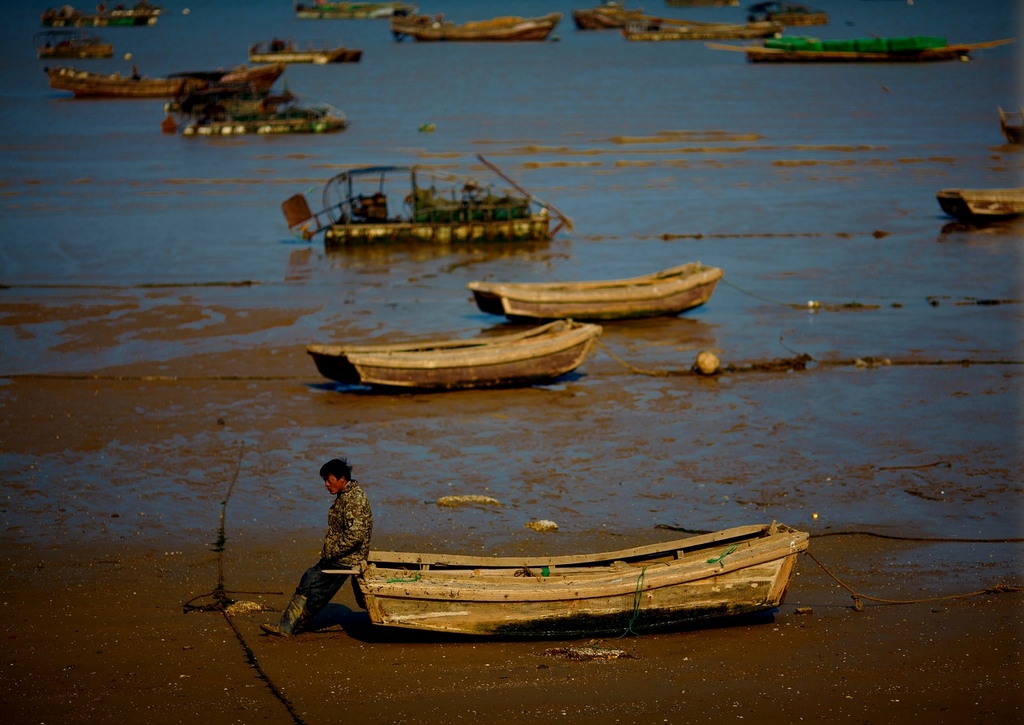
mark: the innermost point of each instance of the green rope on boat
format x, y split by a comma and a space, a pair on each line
637, 598
398, 580
718, 559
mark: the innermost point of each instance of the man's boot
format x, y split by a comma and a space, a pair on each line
291, 619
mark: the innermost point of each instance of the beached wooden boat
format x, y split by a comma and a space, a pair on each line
66, 16
649, 28
1012, 125
736, 571
981, 204
410, 204
537, 355
285, 51
84, 84
786, 13
610, 15
71, 44
509, 28
911, 49
668, 292
356, 10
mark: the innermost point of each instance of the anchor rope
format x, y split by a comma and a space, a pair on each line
637, 598
858, 597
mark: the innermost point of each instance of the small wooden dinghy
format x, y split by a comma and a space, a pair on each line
522, 358
668, 292
981, 204
741, 570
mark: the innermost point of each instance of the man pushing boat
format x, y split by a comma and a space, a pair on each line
346, 545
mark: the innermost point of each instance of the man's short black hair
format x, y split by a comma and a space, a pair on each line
339, 467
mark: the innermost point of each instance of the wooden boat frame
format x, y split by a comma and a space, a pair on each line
358, 208
737, 571
85, 84
428, 28
512, 359
142, 14
668, 292
760, 54
982, 204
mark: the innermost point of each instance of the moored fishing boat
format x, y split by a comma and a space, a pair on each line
737, 571
910, 49
537, 355
787, 13
84, 84
358, 10
506, 28
668, 292
286, 51
649, 28
71, 44
610, 15
981, 204
410, 204
66, 16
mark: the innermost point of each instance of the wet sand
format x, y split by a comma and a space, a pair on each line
97, 573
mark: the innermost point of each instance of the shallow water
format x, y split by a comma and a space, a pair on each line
121, 247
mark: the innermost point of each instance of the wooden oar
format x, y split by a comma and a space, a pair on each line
566, 221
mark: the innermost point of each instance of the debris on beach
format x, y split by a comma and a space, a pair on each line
543, 525
468, 500
245, 607
590, 651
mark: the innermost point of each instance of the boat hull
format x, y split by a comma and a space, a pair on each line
425, 28
661, 29
981, 204
534, 228
505, 361
316, 57
731, 574
355, 10
669, 293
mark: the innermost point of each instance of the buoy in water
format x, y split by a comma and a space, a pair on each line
168, 125
707, 363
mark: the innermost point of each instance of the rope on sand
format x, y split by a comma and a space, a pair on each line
858, 597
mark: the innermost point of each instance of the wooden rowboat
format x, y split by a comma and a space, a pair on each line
359, 10
981, 204
71, 44
649, 28
610, 15
1012, 125
668, 292
280, 51
523, 358
84, 84
860, 51
737, 571
507, 28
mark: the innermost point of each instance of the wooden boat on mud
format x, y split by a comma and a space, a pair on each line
359, 207
66, 16
509, 28
788, 14
668, 292
737, 571
911, 49
974, 205
285, 51
1012, 126
610, 15
71, 44
353, 10
84, 84
649, 28
537, 355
